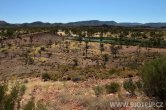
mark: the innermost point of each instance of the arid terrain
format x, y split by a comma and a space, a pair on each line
65, 74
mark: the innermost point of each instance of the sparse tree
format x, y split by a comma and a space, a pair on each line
114, 50
49, 43
105, 58
31, 39
86, 48
101, 48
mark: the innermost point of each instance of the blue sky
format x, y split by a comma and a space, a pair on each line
19, 11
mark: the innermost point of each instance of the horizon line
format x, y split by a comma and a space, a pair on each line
79, 21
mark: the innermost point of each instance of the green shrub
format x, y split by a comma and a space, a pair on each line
76, 79
139, 85
113, 71
46, 77
30, 61
41, 106
30, 105
98, 90
9, 100
98, 103
112, 88
129, 86
42, 49
55, 76
154, 78
3, 89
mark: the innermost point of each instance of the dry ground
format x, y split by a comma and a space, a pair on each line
54, 58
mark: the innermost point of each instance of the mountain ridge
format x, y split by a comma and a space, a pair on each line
85, 23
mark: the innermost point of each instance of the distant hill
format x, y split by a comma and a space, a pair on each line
130, 24
36, 24
91, 23
4, 23
83, 23
155, 24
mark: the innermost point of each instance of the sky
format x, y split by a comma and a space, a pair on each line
143, 11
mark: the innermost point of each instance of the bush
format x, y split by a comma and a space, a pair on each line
113, 71
30, 105
98, 90
10, 100
98, 103
153, 76
112, 88
139, 85
42, 49
3, 89
76, 79
55, 76
46, 77
30, 61
39, 105
129, 86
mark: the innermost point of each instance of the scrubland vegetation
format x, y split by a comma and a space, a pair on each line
81, 68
